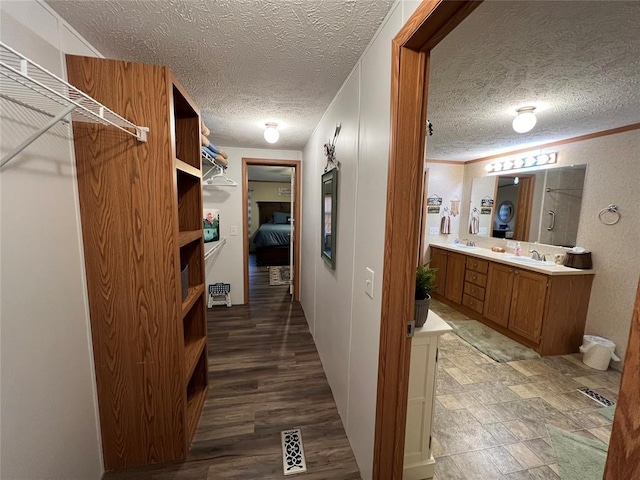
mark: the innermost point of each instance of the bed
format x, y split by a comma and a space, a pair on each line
272, 240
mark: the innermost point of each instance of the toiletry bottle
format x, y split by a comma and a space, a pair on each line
457, 240
518, 251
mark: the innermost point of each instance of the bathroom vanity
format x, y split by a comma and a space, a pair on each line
538, 304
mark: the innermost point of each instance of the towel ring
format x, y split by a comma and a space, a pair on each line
613, 208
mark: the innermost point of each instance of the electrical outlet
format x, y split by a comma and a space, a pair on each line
482, 231
433, 230
368, 289
234, 230
511, 244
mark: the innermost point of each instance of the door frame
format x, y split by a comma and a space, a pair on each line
296, 165
429, 24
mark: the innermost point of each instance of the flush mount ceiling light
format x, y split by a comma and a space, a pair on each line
525, 120
271, 133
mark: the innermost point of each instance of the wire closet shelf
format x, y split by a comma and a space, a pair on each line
219, 178
26, 83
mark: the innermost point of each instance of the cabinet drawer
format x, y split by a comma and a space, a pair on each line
476, 278
472, 303
474, 291
477, 265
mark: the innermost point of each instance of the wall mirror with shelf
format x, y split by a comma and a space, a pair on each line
537, 206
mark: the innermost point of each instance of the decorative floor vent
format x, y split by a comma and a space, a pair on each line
604, 401
292, 452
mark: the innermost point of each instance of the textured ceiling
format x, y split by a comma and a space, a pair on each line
262, 173
579, 61
245, 62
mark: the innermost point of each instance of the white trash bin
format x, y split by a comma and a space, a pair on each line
598, 352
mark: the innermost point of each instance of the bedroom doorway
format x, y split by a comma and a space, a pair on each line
271, 215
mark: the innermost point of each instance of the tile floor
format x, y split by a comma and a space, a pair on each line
490, 417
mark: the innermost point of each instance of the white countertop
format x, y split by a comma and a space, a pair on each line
487, 254
433, 326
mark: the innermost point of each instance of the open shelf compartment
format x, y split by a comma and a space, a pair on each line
196, 394
189, 202
187, 130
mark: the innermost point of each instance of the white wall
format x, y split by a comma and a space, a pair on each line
445, 180
613, 170
49, 424
226, 265
345, 321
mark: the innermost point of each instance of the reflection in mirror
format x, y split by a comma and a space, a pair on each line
541, 206
329, 205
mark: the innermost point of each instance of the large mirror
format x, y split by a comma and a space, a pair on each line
542, 206
329, 217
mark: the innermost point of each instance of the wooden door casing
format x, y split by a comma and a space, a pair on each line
497, 302
454, 281
527, 304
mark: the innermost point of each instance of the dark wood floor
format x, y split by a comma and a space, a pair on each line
265, 376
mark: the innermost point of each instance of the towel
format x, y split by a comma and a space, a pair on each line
445, 225
455, 207
221, 160
223, 153
212, 149
474, 225
205, 131
204, 141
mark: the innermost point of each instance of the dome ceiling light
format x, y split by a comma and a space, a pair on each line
525, 120
271, 133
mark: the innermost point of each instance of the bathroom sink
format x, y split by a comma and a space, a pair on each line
530, 261
463, 246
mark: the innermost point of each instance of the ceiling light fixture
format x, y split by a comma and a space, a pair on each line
525, 163
525, 120
271, 133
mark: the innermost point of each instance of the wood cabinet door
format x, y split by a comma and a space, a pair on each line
497, 299
454, 283
439, 261
527, 304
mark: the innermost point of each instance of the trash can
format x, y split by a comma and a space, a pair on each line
598, 352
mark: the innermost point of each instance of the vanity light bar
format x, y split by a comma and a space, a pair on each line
525, 162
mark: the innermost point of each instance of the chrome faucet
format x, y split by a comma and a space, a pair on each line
471, 243
536, 255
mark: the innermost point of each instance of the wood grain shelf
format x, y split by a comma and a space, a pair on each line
143, 426
194, 407
188, 169
193, 295
192, 351
189, 236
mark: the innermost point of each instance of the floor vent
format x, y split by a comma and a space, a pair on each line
604, 401
292, 452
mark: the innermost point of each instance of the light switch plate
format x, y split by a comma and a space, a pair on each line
234, 230
368, 289
482, 231
433, 230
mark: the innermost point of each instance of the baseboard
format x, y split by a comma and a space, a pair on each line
420, 470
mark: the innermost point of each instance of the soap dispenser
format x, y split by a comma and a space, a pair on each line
518, 251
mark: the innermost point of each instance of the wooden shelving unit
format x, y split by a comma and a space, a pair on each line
141, 209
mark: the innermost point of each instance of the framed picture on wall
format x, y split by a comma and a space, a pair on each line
211, 225
329, 216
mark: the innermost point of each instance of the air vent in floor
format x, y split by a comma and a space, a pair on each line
292, 452
596, 396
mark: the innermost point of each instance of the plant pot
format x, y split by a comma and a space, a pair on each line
422, 310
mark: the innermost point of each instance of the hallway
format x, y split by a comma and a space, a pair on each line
265, 376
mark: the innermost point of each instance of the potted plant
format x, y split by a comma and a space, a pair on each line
425, 280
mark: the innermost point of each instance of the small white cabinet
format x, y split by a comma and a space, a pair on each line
418, 459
